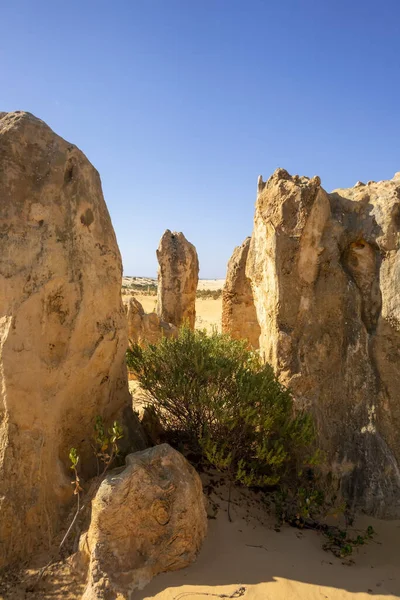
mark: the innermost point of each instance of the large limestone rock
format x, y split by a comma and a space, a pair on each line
239, 317
178, 276
325, 273
63, 331
147, 518
146, 327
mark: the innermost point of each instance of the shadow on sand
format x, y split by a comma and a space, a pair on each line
287, 565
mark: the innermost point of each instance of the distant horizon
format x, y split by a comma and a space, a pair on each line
155, 277
180, 106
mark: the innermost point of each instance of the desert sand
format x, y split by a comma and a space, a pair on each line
286, 565
208, 314
249, 557
208, 310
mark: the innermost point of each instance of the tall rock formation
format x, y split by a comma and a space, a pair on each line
325, 273
146, 327
178, 276
239, 317
63, 330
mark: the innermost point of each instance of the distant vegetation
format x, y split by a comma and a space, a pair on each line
150, 289
213, 294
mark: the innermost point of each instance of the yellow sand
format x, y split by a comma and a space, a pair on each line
289, 565
208, 311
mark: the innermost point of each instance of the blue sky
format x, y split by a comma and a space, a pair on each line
181, 104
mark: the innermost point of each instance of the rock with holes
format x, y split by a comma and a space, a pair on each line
239, 317
63, 330
325, 274
178, 276
147, 518
146, 328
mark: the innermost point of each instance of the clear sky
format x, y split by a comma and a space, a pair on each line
181, 104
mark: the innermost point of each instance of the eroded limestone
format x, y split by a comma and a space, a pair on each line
325, 274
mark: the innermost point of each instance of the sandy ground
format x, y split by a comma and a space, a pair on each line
287, 565
149, 303
208, 311
208, 314
250, 557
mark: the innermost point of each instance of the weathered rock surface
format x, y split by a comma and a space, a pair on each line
146, 327
325, 274
239, 316
63, 331
147, 518
178, 276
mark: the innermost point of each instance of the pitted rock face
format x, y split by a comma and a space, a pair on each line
148, 518
178, 276
325, 274
63, 331
239, 317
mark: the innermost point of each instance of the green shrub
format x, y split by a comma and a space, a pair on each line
217, 399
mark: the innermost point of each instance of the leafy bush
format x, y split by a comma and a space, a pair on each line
218, 400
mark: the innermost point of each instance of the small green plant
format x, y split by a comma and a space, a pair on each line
106, 449
74, 460
341, 543
307, 507
106, 443
300, 505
